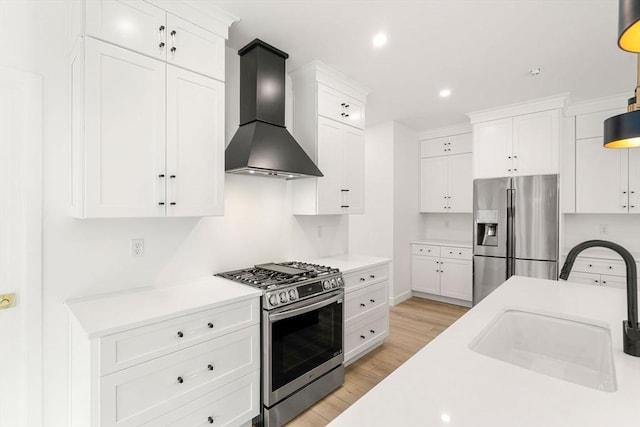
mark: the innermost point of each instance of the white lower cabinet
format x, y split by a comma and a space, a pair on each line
366, 310
184, 370
442, 271
600, 272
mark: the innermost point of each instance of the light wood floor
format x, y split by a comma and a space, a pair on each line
413, 323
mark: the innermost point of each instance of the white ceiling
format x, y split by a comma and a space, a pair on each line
480, 49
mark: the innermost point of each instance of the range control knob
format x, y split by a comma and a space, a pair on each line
283, 296
292, 294
333, 283
339, 280
273, 299
326, 284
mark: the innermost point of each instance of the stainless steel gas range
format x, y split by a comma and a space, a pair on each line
302, 335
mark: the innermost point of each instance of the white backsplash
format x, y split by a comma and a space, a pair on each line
619, 228
448, 226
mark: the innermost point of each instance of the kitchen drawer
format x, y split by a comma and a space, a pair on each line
429, 250
122, 350
365, 333
230, 405
366, 276
600, 266
363, 301
456, 252
584, 278
136, 395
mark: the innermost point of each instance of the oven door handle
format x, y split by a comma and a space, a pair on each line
307, 308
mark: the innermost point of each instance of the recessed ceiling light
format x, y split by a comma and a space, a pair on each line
444, 93
380, 40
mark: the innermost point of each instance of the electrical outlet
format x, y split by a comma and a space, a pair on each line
603, 228
137, 247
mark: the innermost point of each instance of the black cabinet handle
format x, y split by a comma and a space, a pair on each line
210, 367
344, 206
372, 301
172, 203
372, 276
180, 380
210, 420
362, 305
161, 175
372, 331
363, 337
180, 334
161, 45
210, 325
362, 279
173, 49
172, 176
160, 203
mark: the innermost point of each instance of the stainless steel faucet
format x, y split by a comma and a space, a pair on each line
630, 327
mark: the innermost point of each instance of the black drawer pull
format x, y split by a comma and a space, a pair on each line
180, 380
363, 337
372, 331
372, 300
362, 305
210, 325
362, 279
210, 420
180, 334
210, 367
372, 276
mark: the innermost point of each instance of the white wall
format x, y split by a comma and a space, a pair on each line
621, 229
448, 226
391, 218
406, 219
87, 257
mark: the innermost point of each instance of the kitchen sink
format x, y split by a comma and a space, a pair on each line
572, 350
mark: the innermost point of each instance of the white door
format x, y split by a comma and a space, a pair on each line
134, 24
124, 132
194, 48
353, 148
460, 179
195, 144
456, 279
601, 177
20, 248
433, 184
330, 158
535, 143
425, 275
634, 181
492, 148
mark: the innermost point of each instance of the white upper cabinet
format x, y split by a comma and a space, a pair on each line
150, 30
117, 169
194, 48
339, 106
446, 181
522, 139
135, 25
147, 135
328, 121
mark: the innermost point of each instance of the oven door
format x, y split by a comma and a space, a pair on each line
302, 342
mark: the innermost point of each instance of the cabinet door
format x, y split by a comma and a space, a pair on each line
458, 144
456, 279
460, 178
634, 181
195, 144
434, 147
433, 184
134, 24
354, 112
601, 178
194, 48
353, 173
492, 148
330, 156
585, 278
124, 132
425, 274
330, 103
535, 143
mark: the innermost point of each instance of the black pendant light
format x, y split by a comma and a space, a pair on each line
629, 25
623, 130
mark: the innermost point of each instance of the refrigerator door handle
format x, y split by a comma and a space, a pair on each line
511, 235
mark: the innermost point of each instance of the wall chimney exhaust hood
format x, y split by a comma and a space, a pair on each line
262, 145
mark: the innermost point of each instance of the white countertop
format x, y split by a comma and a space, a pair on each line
447, 384
350, 262
457, 244
107, 314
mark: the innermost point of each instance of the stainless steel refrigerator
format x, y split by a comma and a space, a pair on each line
515, 223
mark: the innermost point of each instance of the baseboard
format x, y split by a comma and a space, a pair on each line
443, 299
398, 299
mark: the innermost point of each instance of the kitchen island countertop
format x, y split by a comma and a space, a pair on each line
448, 384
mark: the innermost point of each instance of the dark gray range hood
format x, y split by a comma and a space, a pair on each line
262, 145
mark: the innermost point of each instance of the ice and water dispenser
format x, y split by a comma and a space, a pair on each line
487, 228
